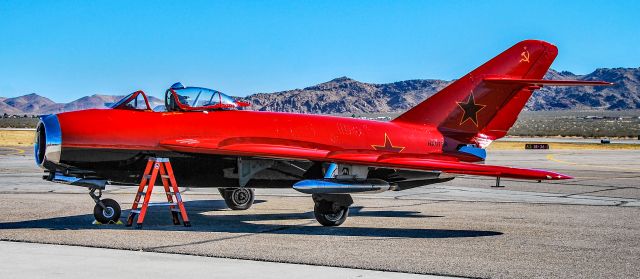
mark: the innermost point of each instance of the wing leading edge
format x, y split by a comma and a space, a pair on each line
297, 150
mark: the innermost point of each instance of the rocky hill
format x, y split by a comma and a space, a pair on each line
34, 104
624, 94
345, 95
29, 104
4, 108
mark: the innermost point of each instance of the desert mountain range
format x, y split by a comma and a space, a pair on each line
345, 95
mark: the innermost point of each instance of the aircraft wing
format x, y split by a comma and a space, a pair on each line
299, 150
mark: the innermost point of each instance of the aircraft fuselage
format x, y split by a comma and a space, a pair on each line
115, 143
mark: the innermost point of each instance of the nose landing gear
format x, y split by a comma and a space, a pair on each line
106, 211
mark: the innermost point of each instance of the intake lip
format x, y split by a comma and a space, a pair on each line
48, 145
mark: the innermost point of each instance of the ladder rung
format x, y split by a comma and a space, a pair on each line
142, 194
176, 209
148, 176
162, 204
147, 188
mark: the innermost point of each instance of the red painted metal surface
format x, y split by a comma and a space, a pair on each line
479, 107
144, 130
278, 135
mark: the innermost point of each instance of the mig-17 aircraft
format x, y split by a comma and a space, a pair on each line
212, 141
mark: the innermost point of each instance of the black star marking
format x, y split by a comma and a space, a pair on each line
471, 110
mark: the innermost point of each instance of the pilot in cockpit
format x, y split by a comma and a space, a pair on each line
181, 98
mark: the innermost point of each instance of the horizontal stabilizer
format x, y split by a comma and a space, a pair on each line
543, 82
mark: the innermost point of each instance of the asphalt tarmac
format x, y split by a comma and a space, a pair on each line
587, 227
62, 261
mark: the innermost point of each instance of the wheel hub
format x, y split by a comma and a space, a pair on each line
241, 196
334, 217
108, 212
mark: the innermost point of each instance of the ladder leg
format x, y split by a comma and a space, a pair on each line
147, 196
174, 185
143, 183
167, 190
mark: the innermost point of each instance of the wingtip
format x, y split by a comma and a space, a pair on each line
560, 176
601, 83
557, 176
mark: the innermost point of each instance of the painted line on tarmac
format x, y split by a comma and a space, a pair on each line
551, 157
16, 151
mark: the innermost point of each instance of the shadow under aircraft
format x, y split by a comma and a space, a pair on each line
213, 216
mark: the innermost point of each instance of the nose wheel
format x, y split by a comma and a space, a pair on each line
238, 198
109, 214
106, 211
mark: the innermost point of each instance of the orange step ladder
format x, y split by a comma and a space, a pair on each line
160, 166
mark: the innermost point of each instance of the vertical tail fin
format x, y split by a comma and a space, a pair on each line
470, 108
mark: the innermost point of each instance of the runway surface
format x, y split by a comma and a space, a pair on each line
587, 227
17, 261
568, 140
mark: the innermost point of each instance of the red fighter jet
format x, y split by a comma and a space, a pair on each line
212, 142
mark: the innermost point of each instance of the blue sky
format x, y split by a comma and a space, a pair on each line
68, 49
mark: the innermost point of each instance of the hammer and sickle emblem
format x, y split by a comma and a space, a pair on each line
524, 56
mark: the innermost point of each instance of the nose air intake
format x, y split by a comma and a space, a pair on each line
48, 145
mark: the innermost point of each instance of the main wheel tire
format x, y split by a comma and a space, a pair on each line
110, 214
223, 192
329, 218
238, 198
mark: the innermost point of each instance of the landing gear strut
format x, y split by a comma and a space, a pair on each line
106, 211
237, 198
331, 209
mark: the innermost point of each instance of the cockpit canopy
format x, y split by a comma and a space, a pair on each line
134, 101
181, 98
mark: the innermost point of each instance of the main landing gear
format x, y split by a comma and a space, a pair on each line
331, 209
106, 211
238, 198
